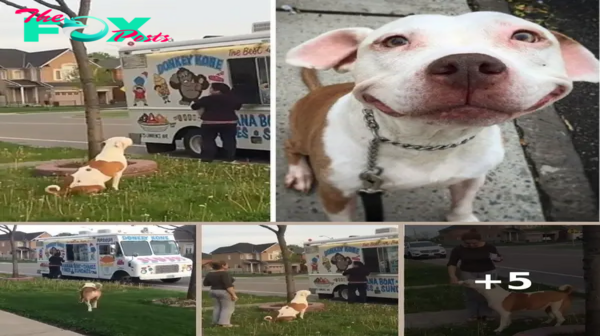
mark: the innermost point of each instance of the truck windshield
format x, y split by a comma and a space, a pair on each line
164, 247
141, 248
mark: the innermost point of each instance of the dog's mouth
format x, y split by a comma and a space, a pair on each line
381, 106
555, 94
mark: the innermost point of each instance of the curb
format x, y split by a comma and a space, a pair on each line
551, 155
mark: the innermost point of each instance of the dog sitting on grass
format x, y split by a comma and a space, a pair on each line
289, 312
90, 294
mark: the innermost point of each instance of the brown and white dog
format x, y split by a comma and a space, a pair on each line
430, 80
554, 303
90, 294
289, 312
108, 165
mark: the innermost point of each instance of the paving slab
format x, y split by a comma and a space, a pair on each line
508, 195
391, 7
15, 325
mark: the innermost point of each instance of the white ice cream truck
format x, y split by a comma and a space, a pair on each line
115, 256
162, 80
328, 259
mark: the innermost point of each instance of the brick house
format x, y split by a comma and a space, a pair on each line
42, 78
505, 233
114, 66
185, 239
206, 260
25, 243
253, 258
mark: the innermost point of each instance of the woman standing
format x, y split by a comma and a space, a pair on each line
357, 281
222, 293
218, 119
476, 259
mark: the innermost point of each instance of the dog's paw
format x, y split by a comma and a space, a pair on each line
299, 178
454, 217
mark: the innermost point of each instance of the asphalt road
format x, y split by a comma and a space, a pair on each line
266, 286
554, 265
30, 269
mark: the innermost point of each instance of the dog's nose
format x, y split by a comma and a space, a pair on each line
467, 70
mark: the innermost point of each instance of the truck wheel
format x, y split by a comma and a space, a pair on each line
325, 296
155, 148
122, 277
192, 141
342, 292
171, 280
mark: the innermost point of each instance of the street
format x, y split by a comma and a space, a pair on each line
266, 286
30, 269
555, 265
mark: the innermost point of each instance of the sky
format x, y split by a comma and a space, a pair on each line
215, 236
56, 229
181, 19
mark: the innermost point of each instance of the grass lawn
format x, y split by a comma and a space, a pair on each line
445, 296
487, 329
15, 153
338, 319
182, 190
418, 273
122, 310
244, 299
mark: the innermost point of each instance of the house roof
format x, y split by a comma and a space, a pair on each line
20, 236
15, 58
206, 256
184, 233
243, 248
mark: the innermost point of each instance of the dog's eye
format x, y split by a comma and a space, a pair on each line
395, 41
526, 36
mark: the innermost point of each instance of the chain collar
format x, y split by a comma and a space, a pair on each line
371, 176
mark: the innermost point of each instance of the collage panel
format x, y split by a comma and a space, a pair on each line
300, 279
90, 279
506, 280
395, 98
169, 125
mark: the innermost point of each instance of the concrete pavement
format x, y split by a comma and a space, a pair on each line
15, 325
509, 194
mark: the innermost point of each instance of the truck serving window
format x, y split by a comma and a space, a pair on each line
250, 79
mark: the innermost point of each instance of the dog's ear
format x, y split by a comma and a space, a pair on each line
580, 63
335, 49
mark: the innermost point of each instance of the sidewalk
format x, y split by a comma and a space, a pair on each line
436, 319
14, 325
509, 194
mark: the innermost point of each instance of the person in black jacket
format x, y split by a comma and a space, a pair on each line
357, 281
54, 263
218, 119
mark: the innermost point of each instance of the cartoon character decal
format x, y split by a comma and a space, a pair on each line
162, 88
341, 262
190, 86
139, 90
314, 265
327, 264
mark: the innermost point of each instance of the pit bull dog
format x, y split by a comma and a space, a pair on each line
108, 165
90, 294
289, 312
433, 89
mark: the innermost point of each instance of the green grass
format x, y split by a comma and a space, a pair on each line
122, 310
244, 299
487, 329
418, 273
15, 153
182, 190
338, 319
445, 296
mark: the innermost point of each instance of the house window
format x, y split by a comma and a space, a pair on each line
228, 257
20, 244
18, 74
57, 75
250, 79
189, 249
34, 76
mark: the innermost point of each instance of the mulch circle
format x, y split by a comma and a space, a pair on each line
549, 331
312, 306
135, 167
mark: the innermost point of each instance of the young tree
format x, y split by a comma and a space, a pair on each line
591, 276
190, 230
11, 235
290, 285
95, 133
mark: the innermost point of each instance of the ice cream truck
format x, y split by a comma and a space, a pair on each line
328, 259
162, 80
115, 256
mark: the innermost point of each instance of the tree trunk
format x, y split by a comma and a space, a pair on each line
591, 275
290, 285
191, 293
15, 262
93, 120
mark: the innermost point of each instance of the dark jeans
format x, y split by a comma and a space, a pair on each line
228, 135
55, 272
362, 292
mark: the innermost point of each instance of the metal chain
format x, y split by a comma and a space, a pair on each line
371, 176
